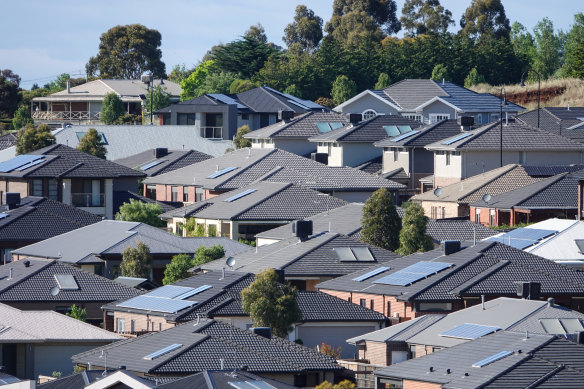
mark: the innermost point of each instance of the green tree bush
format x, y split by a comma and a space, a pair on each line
136, 262
137, 211
271, 304
30, 138
343, 89
380, 221
77, 313
21, 117
383, 81
207, 254
413, 237
92, 143
160, 99
239, 141
112, 108
440, 73
177, 269
473, 78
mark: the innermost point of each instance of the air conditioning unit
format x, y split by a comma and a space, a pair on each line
302, 228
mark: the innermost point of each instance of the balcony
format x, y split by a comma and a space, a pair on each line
212, 132
87, 200
65, 115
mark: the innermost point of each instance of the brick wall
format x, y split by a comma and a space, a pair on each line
411, 384
403, 310
377, 353
141, 322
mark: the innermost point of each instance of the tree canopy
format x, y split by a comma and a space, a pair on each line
21, 117
413, 237
271, 304
343, 89
30, 138
111, 109
136, 261
485, 17
380, 221
77, 313
305, 30
239, 141
160, 99
177, 269
244, 57
137, 211
127, 52
9, 96
424, 17
92, 143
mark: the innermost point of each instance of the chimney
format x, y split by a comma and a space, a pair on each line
466, 122
68, 86
12, 199
160, 152
26, 263
451, 246
302, 229
355, 118
285, 115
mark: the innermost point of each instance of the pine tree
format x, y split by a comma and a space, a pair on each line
136, 262
380, 221
413, 237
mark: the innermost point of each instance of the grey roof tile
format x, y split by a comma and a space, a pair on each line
174, 159
428, 134
300, 127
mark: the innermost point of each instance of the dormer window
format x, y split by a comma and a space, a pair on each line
369, 114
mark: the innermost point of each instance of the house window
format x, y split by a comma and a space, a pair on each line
186, 119
53, 189
329, 150
199, 193
395, 154
388, 308
151, 191
37, 187
492, 217
369, 114
480, 118
372, 305
477, 215
121, 325
522, 157
429, 307
349, 299
416, 117
185, 194
437, 212
413, 351
363, 303
174, 193
436, 117
245, 116
133, 326
447, 158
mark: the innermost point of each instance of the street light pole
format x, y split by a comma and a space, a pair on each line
151, 90
503, 98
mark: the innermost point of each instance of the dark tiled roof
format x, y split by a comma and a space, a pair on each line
313, 257
175, 159
411, 93
76, 381
273, 165
374, 166
7, 140
557, 192
463, 230
488, 268
269, 201
203, 345
303, 126
367, 131
124, 196
541, 361
557, 120
38, 218
65, 162
34, 283
221, 379
516, 136
428, 134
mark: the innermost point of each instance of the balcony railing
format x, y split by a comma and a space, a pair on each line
212, 132
87, 199
65, 115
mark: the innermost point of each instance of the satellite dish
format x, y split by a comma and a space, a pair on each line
437, 191
230, 262
55, 290
487, 198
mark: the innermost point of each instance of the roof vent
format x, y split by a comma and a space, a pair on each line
160, 152
285, 115
551, 302
451, 246
302, 229
355, 117
26, 263
431, 369
12, 199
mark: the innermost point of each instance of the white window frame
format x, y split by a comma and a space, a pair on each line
447, 155
414, 116
480, 118
522, 157
477, 215
120, 325
366, 115
436, 117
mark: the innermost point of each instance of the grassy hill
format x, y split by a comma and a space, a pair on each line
554, 93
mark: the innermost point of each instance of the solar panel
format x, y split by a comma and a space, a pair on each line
426, 268
492, 358
413, 273
158, 304
457, 138
335, 125
193, 292
33, 163
307, 103
404, 136
168, 291
399, 279
222, 172
519, 244
152, 164
101, 135
66, 282
372, 273
552, 326
323, 127
18, 161
469, 331
252, 384
363, 254
530, 233
404, 129
227, 100
572, 325
3, 215
163, 351
239, 195
391, 130
345, 254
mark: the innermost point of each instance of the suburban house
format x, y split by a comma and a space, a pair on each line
455, 277
83, 103
41, 284
209, 344
70, 176
504, 359
218, 116
292, 133
41, 342
477, 151
430, 333
564, 121
556, 196
244, 212
243, 167
353, 144
217, 295
305, 261
428, 101
406, 153
346, 220
103, 256
162, 160
33, 219
453, 200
